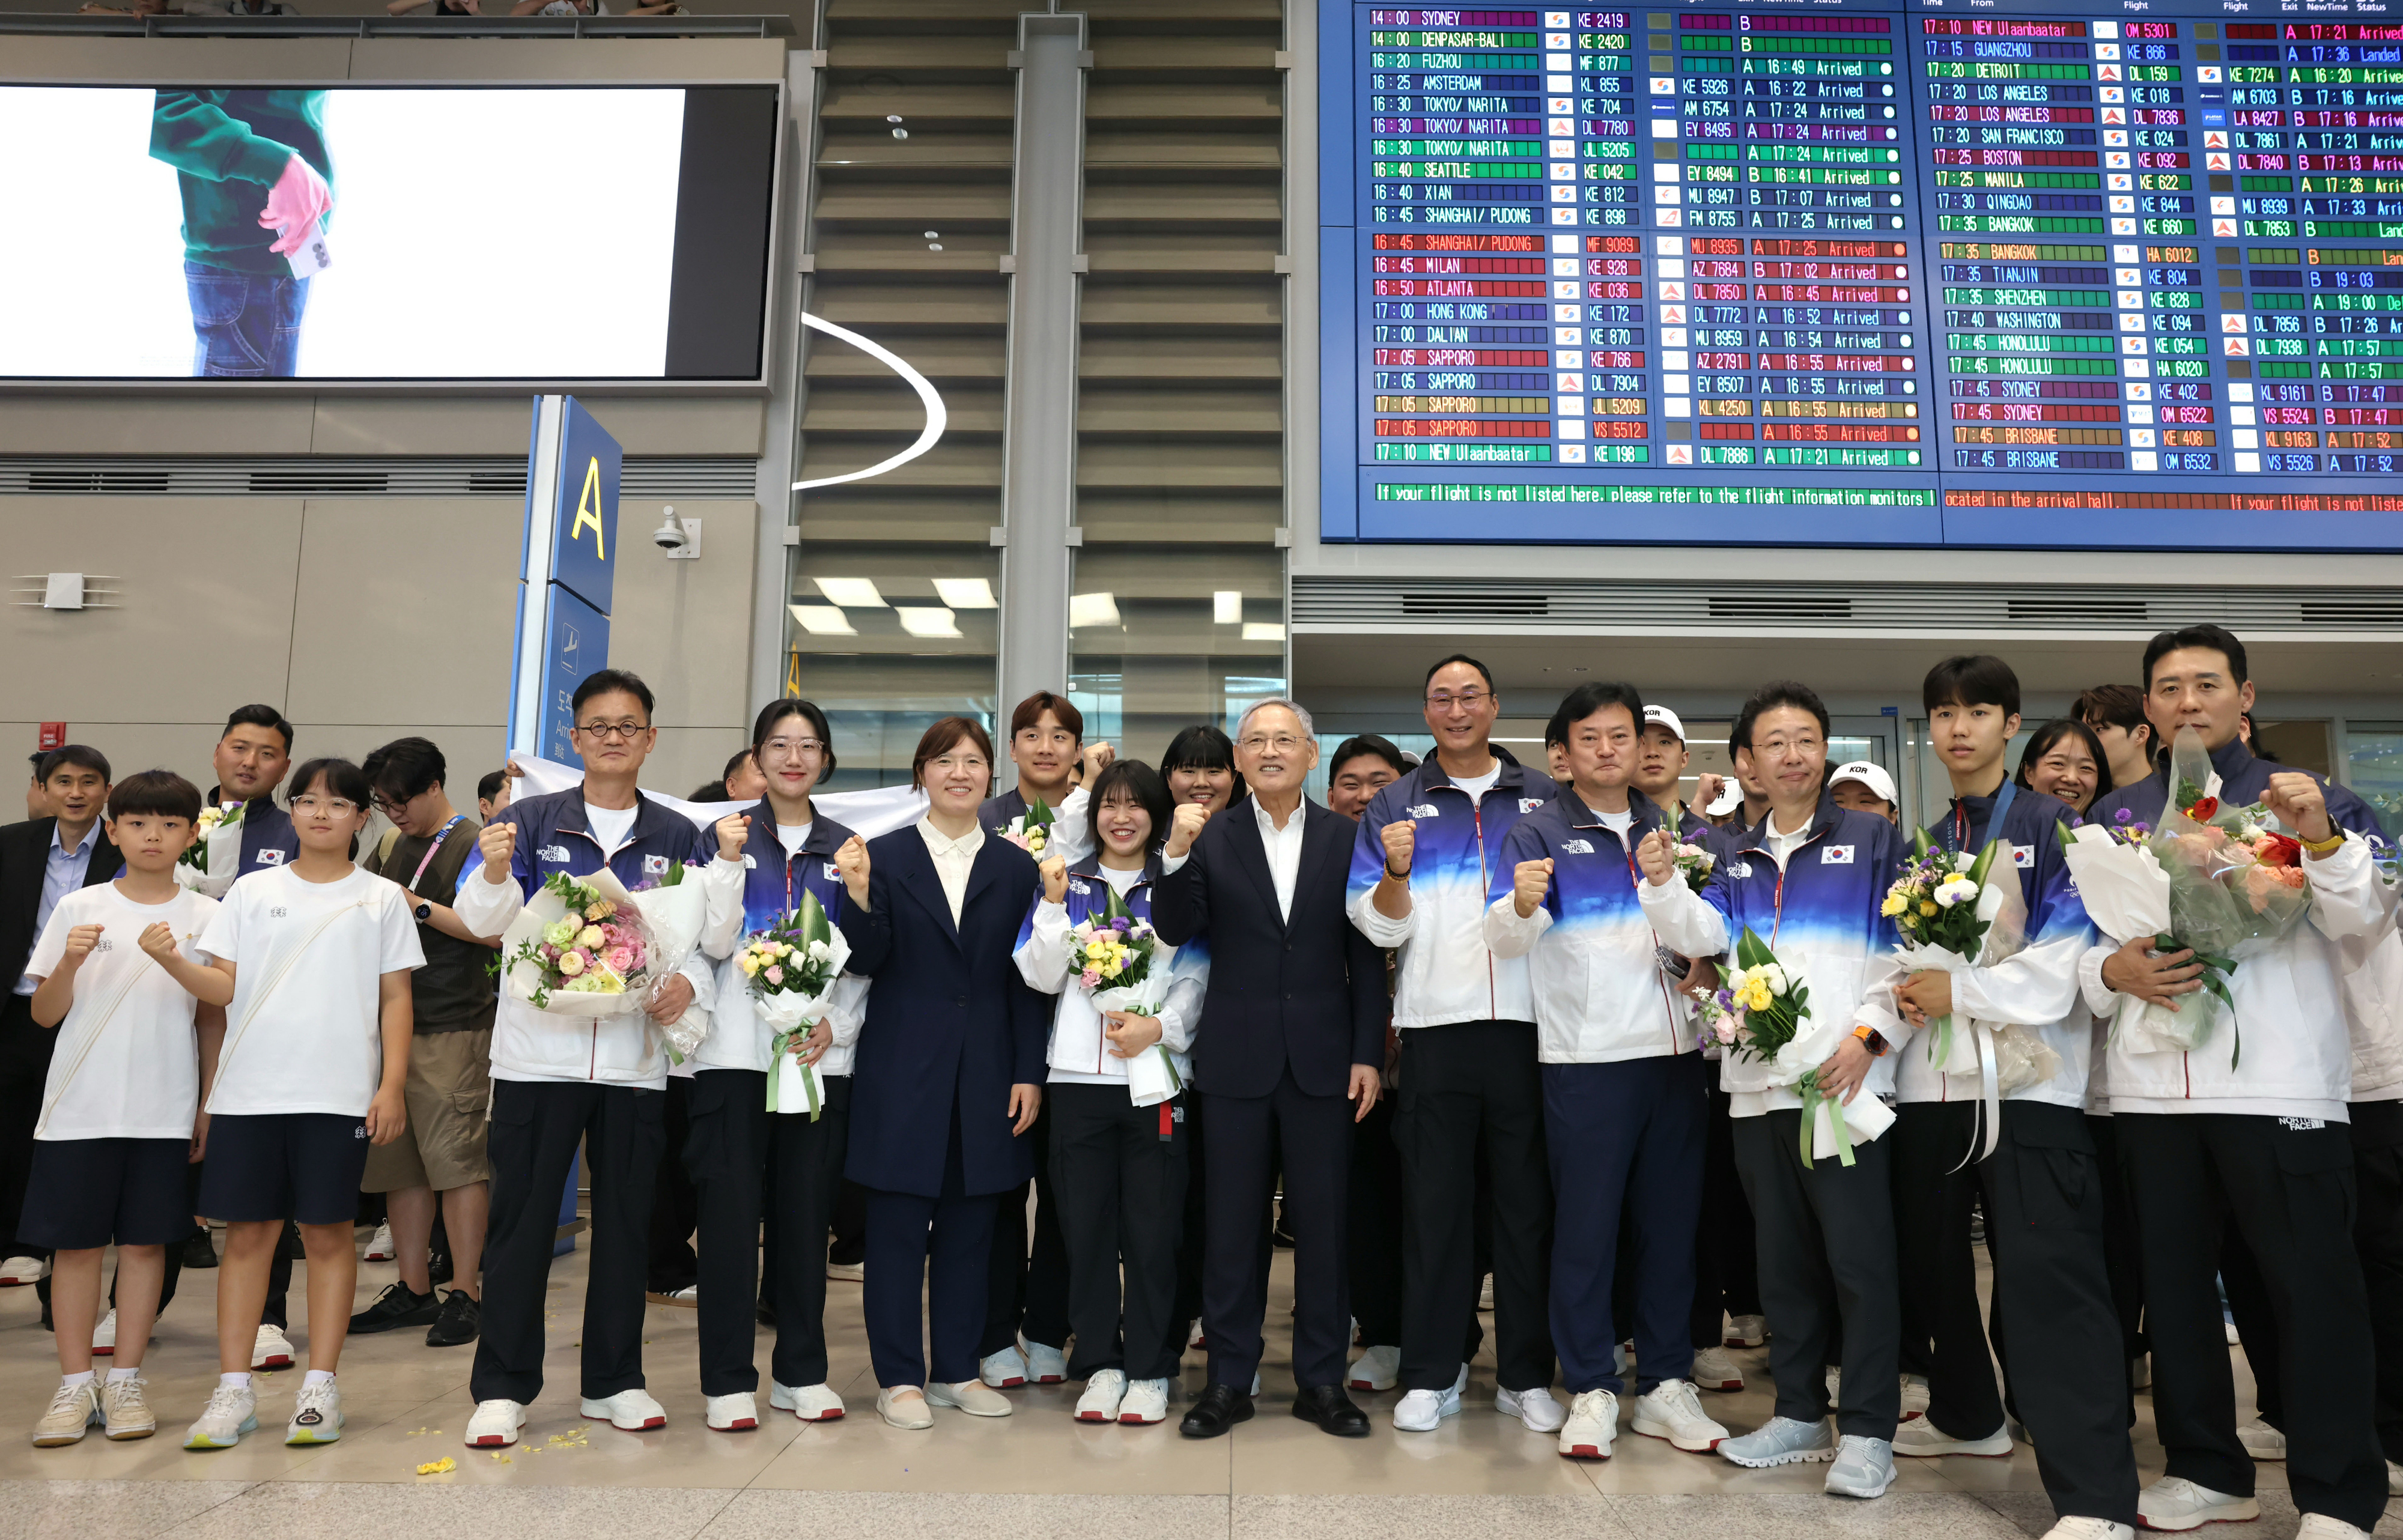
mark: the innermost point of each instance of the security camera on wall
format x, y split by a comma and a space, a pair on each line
678, 538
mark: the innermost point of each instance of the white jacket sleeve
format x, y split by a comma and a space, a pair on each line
2102, 1001
488, 907
2033, 986
722, 880
847, 1008
1509, 935
1880, 975
1043, 959
1381, 928
1180, 1017
2348, 899
1686, 922
1072, 830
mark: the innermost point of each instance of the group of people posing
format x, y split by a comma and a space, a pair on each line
1453, 1015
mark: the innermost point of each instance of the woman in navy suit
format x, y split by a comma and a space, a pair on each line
948, 1075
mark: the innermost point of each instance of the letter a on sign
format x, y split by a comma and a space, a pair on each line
588, 509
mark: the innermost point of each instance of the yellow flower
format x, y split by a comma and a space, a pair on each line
1927, 905
1895, 904
750, 964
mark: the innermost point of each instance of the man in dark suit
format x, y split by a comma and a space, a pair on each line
1289, 1055
41, 861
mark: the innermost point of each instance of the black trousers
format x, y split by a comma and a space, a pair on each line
535, 1128
849, 1246
1374, 1230
1121, 1193
24, 1071
1727, 1263
2044, 1192
675, 1204
1247, 1134
1030, 1288
1826, 1233
2377, 1131
804, 1183
1469, 1088
2288, 1185
936, 1249
2122, 1255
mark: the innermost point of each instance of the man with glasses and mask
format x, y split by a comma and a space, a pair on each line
1428, 847
565, 1080
440, 1156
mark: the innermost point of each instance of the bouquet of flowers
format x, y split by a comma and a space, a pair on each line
790, 969
1031, 830
579, 948
1111, 955
1762, 1011
1695, 864
1954, 913
214, 858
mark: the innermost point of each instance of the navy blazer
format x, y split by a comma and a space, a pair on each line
949, 1020
1309, 992
24, 860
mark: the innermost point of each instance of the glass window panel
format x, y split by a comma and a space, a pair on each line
1163, 636
2373, 754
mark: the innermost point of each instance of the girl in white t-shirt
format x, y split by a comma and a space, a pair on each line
311, 960
119, 1122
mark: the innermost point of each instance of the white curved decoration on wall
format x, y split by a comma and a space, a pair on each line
936, 416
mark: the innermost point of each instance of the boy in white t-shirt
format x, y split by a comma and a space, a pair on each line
118, 1123
312, 959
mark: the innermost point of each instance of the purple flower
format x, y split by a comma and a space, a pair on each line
2122, 815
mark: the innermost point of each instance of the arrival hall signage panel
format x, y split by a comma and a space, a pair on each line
2045, 272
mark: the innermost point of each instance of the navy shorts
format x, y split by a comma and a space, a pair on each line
85, 1193
302, 1166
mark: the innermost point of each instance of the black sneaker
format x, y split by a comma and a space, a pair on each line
396, 1307
457, 1324
200, 1251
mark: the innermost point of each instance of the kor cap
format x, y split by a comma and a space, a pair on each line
1870, 775
1661, 716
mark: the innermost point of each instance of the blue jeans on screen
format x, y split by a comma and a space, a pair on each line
244, 324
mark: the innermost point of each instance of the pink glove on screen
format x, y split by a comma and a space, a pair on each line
297, 202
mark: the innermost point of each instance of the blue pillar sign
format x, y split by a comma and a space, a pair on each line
568, 574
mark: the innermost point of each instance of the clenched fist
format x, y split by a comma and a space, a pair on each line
1657, 854
1401, 838
852, 862
498, 845
1097, 758
80, 940
2297, 800
1055, 880
732, 831
1185, 827
1528, 886
158, 940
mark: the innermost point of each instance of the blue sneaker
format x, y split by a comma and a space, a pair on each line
1782, 1441
1864, 1467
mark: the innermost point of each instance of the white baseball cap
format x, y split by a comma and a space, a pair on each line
1870, 775
1661, 716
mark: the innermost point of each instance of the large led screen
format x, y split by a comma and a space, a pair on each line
385, 233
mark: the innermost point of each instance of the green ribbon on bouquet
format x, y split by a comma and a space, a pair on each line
1812, 1100
784, 1043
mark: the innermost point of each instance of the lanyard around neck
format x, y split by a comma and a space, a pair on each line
439, 834
1960, 840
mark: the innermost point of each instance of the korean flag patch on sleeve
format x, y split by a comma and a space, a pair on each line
2023, 856
1836, 855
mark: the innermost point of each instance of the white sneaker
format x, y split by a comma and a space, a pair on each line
809, 1403
1781, 1441
1670, 1410
2261, 1441
1045, 1366
2079, 1527
1535, 1407
1747, 1331
1103, 1395
379, 1247
495, 1424
1378, 1368
73, 1408
232, 1411
1591, 1426
2175, 1503
1485, 1296
1914, 1396
18, 1271
904, 1406
270, 1349
1864, 1467
2321, 1526
1145, 1402
972, 1396
104, 1336
1423, 1410
125, 1409
1925, 1440
1715, 1370
1005, 1370
733, 1413
316, 1415
629, 1411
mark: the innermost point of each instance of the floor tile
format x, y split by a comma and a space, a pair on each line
762, 1515
1523, 1516
1902, 1515
412, 1511
121, 1510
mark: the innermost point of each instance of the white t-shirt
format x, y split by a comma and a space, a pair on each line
1477, 786
1782, 846
125, 1065
611, 825
1617, 822
304, 1033
792, 836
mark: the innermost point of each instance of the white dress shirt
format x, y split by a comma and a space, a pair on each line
953, 860
1284, 852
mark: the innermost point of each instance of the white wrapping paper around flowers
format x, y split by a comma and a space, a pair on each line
670, 920
2127, 895
2019, 1053
1153, 1076
1812, 1046
798, 1088
221, 847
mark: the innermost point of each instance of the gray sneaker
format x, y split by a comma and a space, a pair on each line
1864, 1467
1782, 1441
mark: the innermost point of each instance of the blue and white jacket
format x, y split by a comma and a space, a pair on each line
2037, 987
1819, 912
268, 838
1591, 960
554, 836
1443, 972
747, 896
1079, 1054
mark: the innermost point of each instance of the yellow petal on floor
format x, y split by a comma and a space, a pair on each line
439, 1467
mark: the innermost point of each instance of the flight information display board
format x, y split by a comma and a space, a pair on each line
1865, 272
